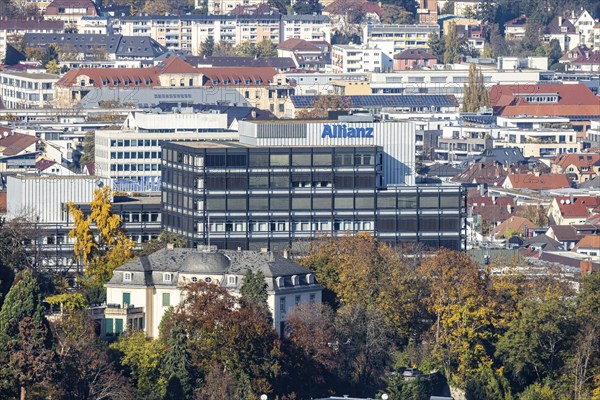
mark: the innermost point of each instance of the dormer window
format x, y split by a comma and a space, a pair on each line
208, 280
295, 280
232, 280
194, 279
167, 277
127, 276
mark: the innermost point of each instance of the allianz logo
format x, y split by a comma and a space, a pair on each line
342, 131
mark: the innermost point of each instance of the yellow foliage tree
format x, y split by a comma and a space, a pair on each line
465, 313
112, 247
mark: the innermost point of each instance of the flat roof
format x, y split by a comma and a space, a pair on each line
232, 145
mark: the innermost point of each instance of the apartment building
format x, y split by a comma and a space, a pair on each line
10, 29
395, 39
346, 58
458, 142
71, 11
305, 27
33, 88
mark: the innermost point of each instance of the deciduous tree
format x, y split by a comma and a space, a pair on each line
475, 94
323, 104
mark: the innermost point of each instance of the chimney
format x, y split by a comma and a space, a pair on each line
170, 246
253, 114
286, 254
571, 198
559, 21
264, 249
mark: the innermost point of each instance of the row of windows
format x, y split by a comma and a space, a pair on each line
134, 142
424, 223
140, 217
135, 167
118, 155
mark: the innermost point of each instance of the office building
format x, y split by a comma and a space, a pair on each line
287, 183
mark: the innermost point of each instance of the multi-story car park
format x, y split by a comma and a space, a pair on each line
286, 183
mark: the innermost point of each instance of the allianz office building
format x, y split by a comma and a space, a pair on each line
292, 181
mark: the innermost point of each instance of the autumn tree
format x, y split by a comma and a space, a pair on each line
164, 239
312, 355
323, 104
266, 48
464, 313
216, 322
452, 45
224, 49
112, 248
475, 95
395, 14
85, 369
89, 148
218, 385
245, 49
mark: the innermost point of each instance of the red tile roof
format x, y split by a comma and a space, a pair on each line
592, 241
578, 160
235, 76
577, 99
3, 202
589, 57
175, 65
44, 164
513, 223
16, 143
541, 182
113, 77
517, 22
297, 45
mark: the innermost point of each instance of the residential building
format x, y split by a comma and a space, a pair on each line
584, 25
281, 64
514, 225
474, 35
93, 25
386, 102
71, 11
570, 235
540, 142
17, 144
306, 55
458, 143
319, 83
593, 135
596, 33
394, 39
579, 167
447, 81
569, 210
347, 58
562, 30
10, 29
413, 59
428, 12
573, 101
589, 61
32, 88
537, 182
305, 27
462, 8
142, 290
222, 7
589, 245
515, 28
97, 47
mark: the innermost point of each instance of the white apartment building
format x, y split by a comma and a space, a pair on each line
319, 82
305, 27
446, 81
132, 155
358, 58
141, 290
584, 24
394, 39
33, 88
93, 25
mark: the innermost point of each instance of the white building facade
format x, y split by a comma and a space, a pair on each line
30, 89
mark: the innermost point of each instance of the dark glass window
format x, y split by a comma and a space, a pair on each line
365, 181
449, 223
301, 180
301, 159
322, 159
260, 160
429, 200
215, 182
342, 159
429, 223
344, 181
280, 160
449, 201
280, 203
386, 223
259, 203
236, 203
407, 223
237, 182
215, 160
236, 160
280, 181
386, 201
258, 181
322, 203
215, 203
300, 203
364, 202
407, 200
344, 202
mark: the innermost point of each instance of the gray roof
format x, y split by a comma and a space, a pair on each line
122, 46
508, 155
219, 262
590, 184
545, 242
145, 97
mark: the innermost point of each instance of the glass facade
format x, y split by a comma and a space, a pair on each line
235, 196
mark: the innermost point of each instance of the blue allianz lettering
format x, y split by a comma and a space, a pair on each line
342, 131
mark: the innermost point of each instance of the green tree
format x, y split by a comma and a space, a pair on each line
175, 365
254, 288
207, 47
452, 45
52, 67
224, 49
246, 49
89, 148
486, 383
307, 7
164, 239
538, 391
266, 48
532, 348
50, 54
23, 336
436, 45
395, 14
475, 94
